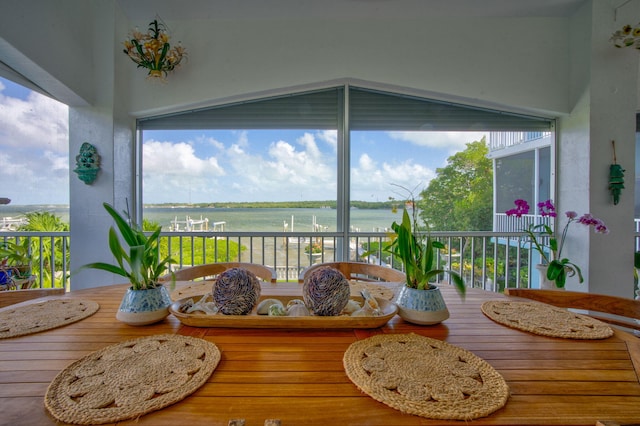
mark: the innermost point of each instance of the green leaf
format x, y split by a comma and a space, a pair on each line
142, 256
115, 247
125, 229
418, 255
107, 267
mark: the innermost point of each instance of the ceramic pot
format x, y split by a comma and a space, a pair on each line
143, 307
422, 307
545, 283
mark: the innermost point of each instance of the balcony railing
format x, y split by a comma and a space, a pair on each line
49, 256
488, 260
501, 140
504, 223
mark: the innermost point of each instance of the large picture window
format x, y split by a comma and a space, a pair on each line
333, 159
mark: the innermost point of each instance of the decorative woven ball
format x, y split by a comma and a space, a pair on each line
236, 291
326, 291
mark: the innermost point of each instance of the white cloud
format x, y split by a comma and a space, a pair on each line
372, 180
452, 141
211, 142
172, 172
34, 149
330, 137
286, 169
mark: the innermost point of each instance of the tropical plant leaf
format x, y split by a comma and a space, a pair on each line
108, 267
141, 263
418, 255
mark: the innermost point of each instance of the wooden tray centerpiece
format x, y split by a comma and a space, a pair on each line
253, 320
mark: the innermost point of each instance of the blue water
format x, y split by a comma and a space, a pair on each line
245, 219
275, 219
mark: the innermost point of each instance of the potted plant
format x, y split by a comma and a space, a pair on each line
554, 267
419, 301
314, 248
147, 300
15, 264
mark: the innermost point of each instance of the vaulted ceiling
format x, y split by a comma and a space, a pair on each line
366, 9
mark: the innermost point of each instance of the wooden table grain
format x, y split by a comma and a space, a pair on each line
297, 375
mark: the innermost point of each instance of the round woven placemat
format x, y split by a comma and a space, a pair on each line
36, 317
425, 377
132, 378
546, 320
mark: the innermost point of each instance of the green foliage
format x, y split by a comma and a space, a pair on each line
142, 264
418, 255
315, 248
15, 254
460, 197
201, 251
150, 225
45, 251
44, 222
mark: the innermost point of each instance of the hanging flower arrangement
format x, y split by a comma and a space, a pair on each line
151, 50
626, 37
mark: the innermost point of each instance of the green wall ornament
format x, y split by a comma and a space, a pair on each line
87, 163
616, 177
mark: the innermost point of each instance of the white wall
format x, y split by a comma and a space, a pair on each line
603, 98
521, 63
51, 43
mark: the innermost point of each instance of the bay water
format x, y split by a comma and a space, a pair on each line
244, 219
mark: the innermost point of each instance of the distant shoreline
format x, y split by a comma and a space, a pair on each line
329, 204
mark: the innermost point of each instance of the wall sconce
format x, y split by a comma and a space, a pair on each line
87, 163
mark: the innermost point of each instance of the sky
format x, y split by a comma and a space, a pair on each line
209, 166
289, 165
34, 147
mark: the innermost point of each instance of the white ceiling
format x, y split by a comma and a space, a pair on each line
137, 10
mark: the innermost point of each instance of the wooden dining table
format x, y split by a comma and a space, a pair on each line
297, 375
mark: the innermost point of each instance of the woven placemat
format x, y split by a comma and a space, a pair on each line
425, 377
546, 320
130, 379
36, 317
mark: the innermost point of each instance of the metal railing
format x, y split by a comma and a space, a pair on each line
504, 223
501, 140
488, 260
49, 256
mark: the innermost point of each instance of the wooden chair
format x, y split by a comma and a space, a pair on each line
358, 271
613, 423
617, 311
11, 297
212, 269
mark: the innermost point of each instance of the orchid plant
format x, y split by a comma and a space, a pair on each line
559, 267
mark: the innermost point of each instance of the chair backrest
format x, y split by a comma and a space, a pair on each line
11, 297
358, 271
621, 311
212, 269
